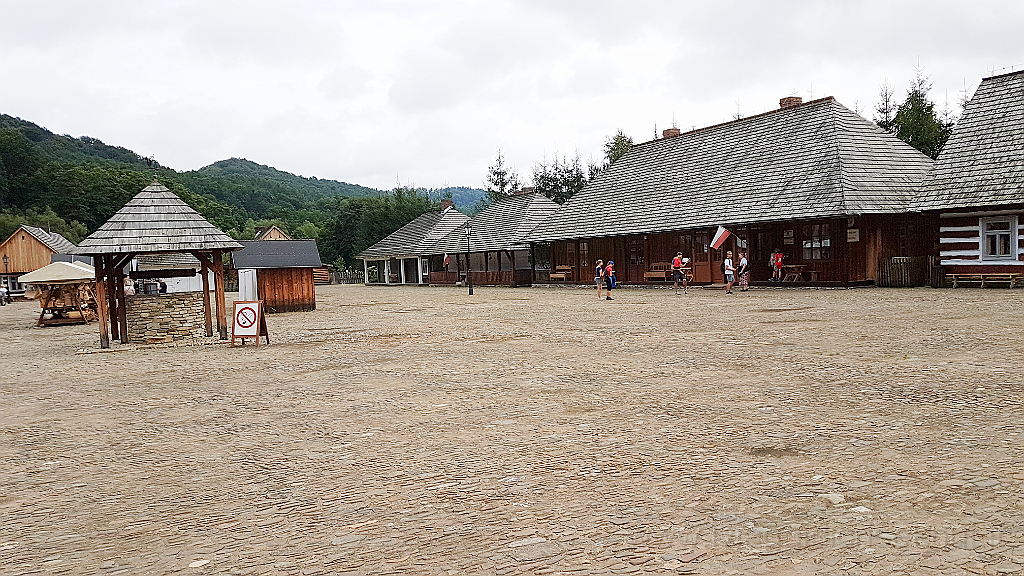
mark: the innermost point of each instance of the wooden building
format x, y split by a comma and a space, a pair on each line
492, 244
155, 221
278, 272
403, 256
975, 195
273, 232
815, 180
28, 249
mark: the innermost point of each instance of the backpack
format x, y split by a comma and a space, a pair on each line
723, 266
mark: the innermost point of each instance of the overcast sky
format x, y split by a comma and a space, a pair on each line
424, 93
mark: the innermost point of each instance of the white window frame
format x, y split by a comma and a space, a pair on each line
985, 256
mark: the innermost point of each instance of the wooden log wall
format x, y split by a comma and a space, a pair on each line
286, 289
24, 253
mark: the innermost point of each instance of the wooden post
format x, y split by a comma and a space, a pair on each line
205, 267
218, 280
101, 302
111, 290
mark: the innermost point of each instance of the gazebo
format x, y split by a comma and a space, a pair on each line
155, 221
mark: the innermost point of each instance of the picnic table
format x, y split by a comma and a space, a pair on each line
793, 272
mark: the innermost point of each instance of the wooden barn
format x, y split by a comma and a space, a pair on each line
492, 244
279, 272
156, 221
403, 256
975, 194
815, 180
28, 249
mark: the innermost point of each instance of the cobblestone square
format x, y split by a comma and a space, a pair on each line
411, 430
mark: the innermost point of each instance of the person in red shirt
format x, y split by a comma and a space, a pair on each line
777, 258
678, 273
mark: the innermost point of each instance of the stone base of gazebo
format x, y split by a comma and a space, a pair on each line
165, 317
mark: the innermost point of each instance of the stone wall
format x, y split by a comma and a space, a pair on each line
156, 318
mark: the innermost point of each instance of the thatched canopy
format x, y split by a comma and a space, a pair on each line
155, 220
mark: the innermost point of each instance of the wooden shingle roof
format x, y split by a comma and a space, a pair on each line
982, 163
52, 240
504, 225
814, 160
417, 238
155, 220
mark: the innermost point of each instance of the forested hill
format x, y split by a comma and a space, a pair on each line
72, 185
258, 188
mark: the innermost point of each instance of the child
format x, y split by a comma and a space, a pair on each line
776, 263
609, 279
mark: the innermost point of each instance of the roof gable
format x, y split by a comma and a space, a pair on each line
982, 163
156, 220
52, 240
814, 160
417, 237
504, 225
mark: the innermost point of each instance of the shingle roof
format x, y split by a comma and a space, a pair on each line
52, 240
155, 220
417, 237
815, 160
168, 261
503, 225
982, 163
277, 254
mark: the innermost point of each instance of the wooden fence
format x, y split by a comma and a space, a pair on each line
903, 271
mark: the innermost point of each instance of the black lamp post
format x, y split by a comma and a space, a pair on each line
469, 259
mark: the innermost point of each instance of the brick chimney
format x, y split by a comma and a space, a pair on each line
525, 191
670, 132
446, 204
790, 101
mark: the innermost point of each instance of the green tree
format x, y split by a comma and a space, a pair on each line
916, 121
559, 179
501, 180
885, 110
616, 146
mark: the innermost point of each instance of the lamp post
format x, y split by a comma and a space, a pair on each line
469, 258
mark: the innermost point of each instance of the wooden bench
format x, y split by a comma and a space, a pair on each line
561, 273
1011, 280
661, 271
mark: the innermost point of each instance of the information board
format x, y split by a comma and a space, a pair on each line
249, 322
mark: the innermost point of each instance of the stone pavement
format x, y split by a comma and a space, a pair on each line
528, 431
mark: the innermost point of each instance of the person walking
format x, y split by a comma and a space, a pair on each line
609, 279
776, 264
743, 272
3, 295
599, 276
730, 272
678, 273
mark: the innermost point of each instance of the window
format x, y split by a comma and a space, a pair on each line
817, 242
999, 238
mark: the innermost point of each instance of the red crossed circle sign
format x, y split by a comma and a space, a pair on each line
246, 317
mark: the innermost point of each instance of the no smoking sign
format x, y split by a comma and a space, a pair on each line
248, 321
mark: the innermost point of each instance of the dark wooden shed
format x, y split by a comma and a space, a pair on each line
282, 271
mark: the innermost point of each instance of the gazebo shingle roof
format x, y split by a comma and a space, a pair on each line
155, 220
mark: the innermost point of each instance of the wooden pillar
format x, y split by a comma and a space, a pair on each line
207, 310
218, 279
512, 264
401, 266
108, 274
366, 273
101, 301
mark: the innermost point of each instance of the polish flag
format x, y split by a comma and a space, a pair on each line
447, 259
720, 237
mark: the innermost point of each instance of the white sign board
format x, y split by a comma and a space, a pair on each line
248, 322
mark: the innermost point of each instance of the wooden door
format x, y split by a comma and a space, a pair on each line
635, 263
701, 257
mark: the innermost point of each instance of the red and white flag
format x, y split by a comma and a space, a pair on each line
447, 259
720, 237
